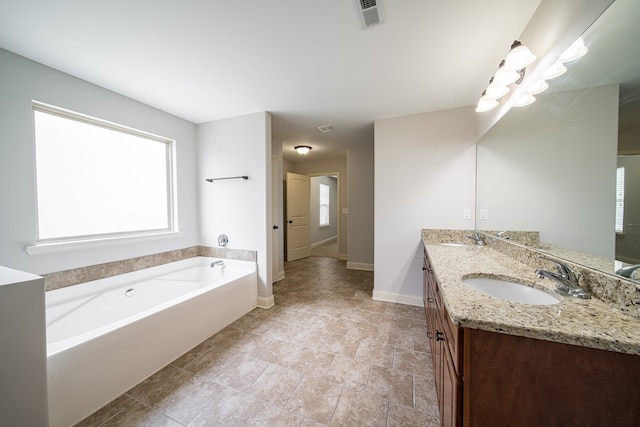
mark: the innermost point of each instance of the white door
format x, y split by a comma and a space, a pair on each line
298, 202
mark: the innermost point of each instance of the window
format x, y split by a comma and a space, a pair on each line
99, 180
324, 205
620, 200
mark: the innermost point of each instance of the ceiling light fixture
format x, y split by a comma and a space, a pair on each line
302, 149
510, 71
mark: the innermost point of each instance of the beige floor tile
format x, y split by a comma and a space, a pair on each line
400, 415
358, 409
209, 360
396, 337
176, 393
315, 398
421, 342
280, 353
309, 361
348, 373
391, 384
108, 411
426, 398
140, 415
229, 408
275, 385
238, 372
375, 352
414, 362
269, 416
281, 331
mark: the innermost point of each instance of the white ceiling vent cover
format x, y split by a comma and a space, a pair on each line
370, 13
326, 128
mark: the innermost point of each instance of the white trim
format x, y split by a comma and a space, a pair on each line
359, 266
279, 276
265, 302
397, 298
46, 248
322, 242
343, 257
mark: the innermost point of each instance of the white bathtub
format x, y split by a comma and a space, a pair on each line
105, 336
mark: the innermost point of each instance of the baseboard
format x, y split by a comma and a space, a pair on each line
343, 257
279, 276
397, 298
359, 266
265, 302
330, 239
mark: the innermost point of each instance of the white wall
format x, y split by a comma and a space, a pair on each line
360, 162
322, 234
339, 165
238, 208
550, 167
21, 82
424, 178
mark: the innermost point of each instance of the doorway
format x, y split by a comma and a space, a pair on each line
319, 215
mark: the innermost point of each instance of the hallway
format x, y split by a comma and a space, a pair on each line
326, 354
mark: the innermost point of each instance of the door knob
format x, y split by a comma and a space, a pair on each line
275, 227
290, 222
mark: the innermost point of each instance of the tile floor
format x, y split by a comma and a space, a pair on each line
326, 354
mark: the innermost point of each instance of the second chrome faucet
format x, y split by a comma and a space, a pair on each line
566, 280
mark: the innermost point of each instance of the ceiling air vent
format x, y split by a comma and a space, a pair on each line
326, 128
370, 13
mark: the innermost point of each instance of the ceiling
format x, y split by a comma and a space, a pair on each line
307, 62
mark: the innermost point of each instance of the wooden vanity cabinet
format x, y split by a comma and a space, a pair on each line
487, 378
444, 339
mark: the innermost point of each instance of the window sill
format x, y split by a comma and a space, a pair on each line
46, 248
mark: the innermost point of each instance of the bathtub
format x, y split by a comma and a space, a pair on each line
105, 336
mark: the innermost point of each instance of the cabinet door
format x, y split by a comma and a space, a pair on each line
451, 404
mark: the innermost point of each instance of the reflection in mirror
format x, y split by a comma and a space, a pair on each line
551, 167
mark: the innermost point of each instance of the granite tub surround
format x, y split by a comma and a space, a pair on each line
75, 276
588, 323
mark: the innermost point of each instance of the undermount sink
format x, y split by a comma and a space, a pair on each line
457, 245
510, 291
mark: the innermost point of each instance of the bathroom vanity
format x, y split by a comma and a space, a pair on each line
496, 362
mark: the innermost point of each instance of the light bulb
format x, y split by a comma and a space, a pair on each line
575, 51
556, 70
538, 87
505, 76
496, 91
519, 57
485, 104
524, 100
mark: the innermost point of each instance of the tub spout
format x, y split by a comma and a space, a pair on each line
217, 263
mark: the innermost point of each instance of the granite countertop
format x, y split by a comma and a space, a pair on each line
589, 323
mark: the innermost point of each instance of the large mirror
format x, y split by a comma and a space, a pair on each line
553, 166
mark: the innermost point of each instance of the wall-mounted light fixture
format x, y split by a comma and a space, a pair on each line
573, 52
302, 149
510, 71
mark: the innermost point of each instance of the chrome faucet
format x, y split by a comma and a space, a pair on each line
566, 280
476, 237
216, 263
627, 271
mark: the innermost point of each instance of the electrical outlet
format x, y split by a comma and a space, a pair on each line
484, 213
466, 214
